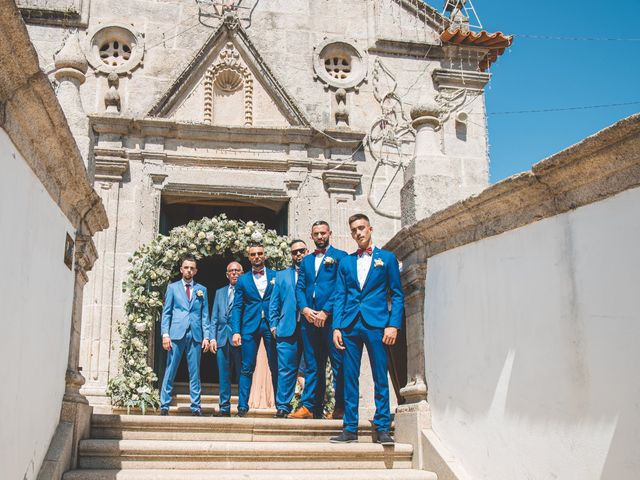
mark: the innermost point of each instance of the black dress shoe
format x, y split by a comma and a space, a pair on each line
345, 437
281, 414
384, 438
221, 414
241, 413
164, 412
196, 413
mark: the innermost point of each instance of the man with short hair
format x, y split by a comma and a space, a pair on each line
362, 316
284, 322
227, 356
314, 294
249, 322
185, 328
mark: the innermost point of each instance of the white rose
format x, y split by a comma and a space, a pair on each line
249, 224
192, 246
210, 236
256, 236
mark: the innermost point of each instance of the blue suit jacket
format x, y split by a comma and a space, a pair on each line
221, 317
179, 313
248, 307
371, 301
283, 314
322, 284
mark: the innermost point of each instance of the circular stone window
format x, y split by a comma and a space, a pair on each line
339, 64
115, 48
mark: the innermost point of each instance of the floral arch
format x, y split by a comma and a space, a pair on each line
152, 267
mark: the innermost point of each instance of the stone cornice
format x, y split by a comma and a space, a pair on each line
36, 124
166, 128
598, 167
447, 78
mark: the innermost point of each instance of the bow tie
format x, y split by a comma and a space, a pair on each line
297, 269
258, 273
319, 251
362, 251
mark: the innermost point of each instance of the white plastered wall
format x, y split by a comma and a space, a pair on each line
532, 342
36, 294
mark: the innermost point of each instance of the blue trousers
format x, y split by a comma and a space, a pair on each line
289, 351
228, 358
318, 345
354, 336
250, 344
178, 347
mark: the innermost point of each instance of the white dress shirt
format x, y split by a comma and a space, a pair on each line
261, 282
364, 264
318, 261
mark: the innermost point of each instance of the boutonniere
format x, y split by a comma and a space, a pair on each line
378, 263
200, 293
273, 281
329, 260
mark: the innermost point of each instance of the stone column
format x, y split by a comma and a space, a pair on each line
428, 178
71, 67
75, 407
97, 326
342, 186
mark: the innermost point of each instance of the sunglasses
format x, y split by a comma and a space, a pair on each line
256, 254
298, 251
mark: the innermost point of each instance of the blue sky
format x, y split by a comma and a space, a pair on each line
546, 74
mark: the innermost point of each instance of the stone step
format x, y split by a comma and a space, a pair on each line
149, 427
196, 455
396, 474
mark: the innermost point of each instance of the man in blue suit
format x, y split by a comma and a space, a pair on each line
314, 294
185, 328
284, 322
249, 322
362, 316
227, 356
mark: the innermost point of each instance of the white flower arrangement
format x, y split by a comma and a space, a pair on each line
273, 281
378, 263
151, 269
329, 260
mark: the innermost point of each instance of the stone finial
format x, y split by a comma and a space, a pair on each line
427, 111
112, 97
70, 61
231, 20
427, 107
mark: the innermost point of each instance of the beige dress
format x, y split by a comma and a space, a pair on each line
261, 387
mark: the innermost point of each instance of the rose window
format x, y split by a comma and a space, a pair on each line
115, 53
338, 67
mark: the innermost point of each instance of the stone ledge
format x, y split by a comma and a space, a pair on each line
598, 167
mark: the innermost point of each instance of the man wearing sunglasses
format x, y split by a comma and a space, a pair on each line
314, 294
227, 356
284, 322
249, 322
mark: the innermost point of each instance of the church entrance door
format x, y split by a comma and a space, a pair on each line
211, 274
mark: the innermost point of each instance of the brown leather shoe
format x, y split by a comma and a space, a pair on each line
302, 412
337, 414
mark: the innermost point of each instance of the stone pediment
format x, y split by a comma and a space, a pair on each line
228, 84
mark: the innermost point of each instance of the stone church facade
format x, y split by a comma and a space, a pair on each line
280, 111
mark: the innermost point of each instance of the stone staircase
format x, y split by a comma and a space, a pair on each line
150, 447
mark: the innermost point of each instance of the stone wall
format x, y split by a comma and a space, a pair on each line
49, 213
523, 316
